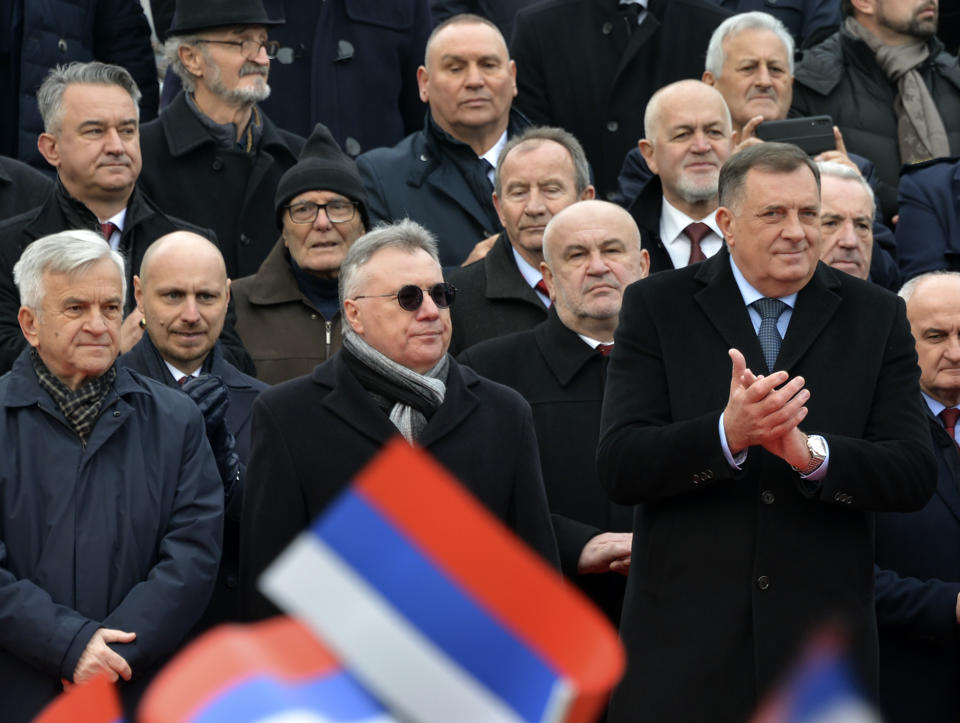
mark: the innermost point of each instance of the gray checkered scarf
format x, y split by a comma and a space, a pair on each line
82, 406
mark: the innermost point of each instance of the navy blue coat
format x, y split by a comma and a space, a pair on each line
242, 389
928, 233
801, 17
50, 32
415, 179
122, 532
917, 583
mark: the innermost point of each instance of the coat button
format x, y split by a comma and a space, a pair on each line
696, 478
244, 239
230, 580
352, 147
217, 164
708, 474
313, 316
116, 413
838, 497
612, 126
345, 51
62, 44
763, 582
768, 497
423, 157
607, 28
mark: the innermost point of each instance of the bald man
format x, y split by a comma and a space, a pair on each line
688, 136
591, 253
183, 291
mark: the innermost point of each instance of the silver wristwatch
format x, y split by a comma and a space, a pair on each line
817, 446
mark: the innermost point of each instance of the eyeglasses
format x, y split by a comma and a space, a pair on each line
337, 211
410, 297
249, 49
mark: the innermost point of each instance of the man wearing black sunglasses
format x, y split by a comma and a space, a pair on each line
393, 375
213, 157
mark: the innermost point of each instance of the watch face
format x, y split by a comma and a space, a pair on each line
817, 446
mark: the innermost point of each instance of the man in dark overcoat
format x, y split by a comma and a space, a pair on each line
182, 291
591, 254
111, 502
213, 157
755, 487
310, 436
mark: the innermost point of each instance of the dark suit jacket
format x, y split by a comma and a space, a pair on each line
313, 434
562, 379
918, 580
571, 73
731, 569
493, 299
21, 187
144, 358
928, 234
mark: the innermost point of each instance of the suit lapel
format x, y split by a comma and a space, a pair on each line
504, 280
947, 490
351, 402
447, 180
563, 351
817, 303
459, 401
640, 35
722, 303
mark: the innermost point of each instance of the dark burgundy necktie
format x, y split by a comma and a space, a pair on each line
541, 286
949, 417
107, 227
695, 232
605, 349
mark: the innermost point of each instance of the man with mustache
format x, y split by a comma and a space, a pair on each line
92, 138
688, 137
539, 173
888, 84
846, 219
213, 157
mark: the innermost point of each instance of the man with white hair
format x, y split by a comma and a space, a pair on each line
110, 537
212, 157
846, 219
310, 436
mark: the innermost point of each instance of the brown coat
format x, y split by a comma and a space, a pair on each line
285, 334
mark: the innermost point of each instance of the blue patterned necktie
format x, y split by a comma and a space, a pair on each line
769, 335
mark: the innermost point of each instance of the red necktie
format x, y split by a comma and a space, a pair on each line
541, 286
949, 417
695, 232
605, 349
108, 228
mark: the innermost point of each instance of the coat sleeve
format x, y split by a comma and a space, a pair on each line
643, 454
12, 341
122, 37
377, 205
274, 509
916, 607
532, 98
46, 635
921, 235
162, 608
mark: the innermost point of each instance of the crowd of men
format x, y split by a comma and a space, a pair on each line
669, 355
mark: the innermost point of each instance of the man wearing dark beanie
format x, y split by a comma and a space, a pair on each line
288, 313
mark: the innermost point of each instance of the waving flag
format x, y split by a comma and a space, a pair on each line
438, 608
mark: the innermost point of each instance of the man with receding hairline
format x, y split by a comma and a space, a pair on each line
442, 177
182, 292
591, 254
759, 407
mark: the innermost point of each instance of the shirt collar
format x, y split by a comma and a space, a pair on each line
750, 294
493, 154
935, 406
673, 221
177, 374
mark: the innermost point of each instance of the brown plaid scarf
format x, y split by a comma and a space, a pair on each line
80, 407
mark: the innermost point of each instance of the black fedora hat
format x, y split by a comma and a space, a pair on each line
193, 15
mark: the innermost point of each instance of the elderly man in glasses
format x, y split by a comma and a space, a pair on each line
212, 157
310, 436
288, 313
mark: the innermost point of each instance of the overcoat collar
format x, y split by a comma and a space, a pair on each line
564, 352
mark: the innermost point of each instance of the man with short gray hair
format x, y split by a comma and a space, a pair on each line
213, 157
847, 209
112, 553
392, 376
